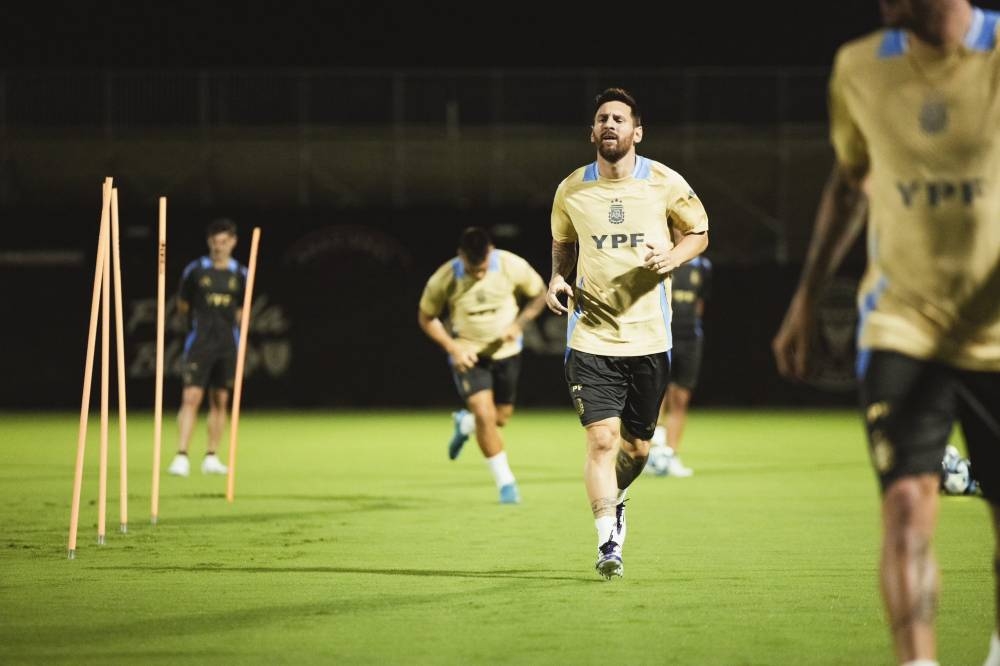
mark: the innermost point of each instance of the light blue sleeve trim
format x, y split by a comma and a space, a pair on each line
665, 307
894, 44
868, 305
982, 34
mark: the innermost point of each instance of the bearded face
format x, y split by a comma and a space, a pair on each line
614, 131
613, 146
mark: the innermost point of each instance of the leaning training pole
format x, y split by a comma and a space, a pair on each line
161, 289
102, 488
120, 343
240, 360
88, 370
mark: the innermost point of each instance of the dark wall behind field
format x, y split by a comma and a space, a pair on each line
334, 317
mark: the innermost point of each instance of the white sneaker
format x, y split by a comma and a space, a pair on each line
677, 468
212, 465
179, 466
659, 436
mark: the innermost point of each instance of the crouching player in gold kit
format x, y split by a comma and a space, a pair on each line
481, 289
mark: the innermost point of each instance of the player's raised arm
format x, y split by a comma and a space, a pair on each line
839, 218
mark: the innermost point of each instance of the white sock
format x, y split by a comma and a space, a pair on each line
605, 529
659, 436
920, 662
501, 470
993, 659
467, 425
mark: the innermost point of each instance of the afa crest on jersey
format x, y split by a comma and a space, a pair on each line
616, 213
933, 116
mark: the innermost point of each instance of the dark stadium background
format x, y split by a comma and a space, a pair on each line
361, 137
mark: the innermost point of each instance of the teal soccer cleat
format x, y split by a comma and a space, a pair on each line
509, 494
459, 438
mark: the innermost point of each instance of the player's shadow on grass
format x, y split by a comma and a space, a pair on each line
522, 574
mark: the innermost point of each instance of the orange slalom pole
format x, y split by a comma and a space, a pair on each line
88, 370
161, 288
120, 343
240, 361
102, 488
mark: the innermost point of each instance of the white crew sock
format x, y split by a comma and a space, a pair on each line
659, 436
993, 659
920, 662
501, 470
467, 425
605, 529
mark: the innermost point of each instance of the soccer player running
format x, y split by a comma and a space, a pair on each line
211, 297
617, 214
482, 289
691, 287
914, 121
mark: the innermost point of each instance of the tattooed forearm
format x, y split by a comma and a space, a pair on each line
603, 506
563, 258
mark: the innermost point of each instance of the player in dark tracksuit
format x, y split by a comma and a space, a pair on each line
692, 283
211, 295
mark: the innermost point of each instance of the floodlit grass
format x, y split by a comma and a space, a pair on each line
354, 540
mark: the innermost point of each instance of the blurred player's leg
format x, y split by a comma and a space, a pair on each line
218, 401
978, 398
191, 399
993, 659
491, 444
509, 492
909, 409
678, 398
909, 571
465, 425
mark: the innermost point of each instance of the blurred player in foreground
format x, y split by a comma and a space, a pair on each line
914, 121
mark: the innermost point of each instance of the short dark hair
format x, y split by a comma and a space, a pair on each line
475, 244
223, 225
618, 95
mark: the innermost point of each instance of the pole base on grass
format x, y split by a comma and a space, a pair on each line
100, 539
153, 520
72, 554
124, 528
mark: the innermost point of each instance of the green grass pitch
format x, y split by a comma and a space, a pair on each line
354, 540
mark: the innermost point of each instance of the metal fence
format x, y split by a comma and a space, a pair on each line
752, 141
123, 100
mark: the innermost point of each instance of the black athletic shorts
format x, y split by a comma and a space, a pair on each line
207, 367
685, 362
910, 406
628, 387
499, 375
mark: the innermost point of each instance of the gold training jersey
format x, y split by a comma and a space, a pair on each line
621, 308
927, 125
481, 310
